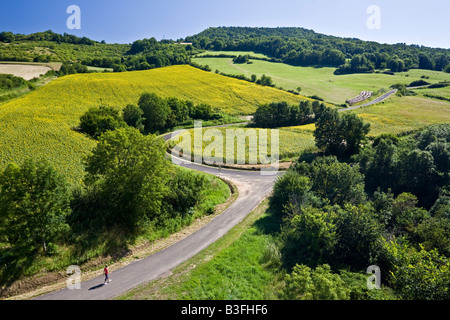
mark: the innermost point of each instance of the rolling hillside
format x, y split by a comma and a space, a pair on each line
40, 123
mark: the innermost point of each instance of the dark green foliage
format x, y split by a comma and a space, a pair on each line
419, 166
72, 68
34, 204
291, 188
303, 47
336, 182
98, 120
185, 191
127, 179
308, 237
358, 64
359, 238
339, 135
327, 218
161, 114
132, 115
418, 83
155, 111
265, 81
241, 59
280, 114
8, 81
201, 112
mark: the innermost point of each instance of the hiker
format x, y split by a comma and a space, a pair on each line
106, 275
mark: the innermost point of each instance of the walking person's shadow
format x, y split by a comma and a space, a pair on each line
97, 286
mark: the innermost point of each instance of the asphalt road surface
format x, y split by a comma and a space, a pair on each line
253, 187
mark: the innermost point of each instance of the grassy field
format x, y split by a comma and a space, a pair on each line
39, 123
404, 114
319, 81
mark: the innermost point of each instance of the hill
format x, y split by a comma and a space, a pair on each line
321, 81
299, 46
40, 123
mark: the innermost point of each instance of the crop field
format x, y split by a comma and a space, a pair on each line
227, 145
320, 81
40, 123
26, 71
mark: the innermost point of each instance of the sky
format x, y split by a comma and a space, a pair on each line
392, 21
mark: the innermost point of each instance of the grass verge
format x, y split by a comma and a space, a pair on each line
241, 265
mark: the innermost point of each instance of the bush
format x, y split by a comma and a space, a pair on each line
309, 237
418, 83
98, 120
290, 188
417, 274
8, 81
320, 283
241, 59
447, 68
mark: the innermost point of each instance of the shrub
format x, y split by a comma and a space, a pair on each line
320, 283
98, 120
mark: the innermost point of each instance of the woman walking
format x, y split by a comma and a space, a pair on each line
106, 275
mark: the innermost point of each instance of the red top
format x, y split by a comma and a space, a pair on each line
106, 270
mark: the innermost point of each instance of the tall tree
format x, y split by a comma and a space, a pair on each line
128, 172
155, 111
34, 204
339, 135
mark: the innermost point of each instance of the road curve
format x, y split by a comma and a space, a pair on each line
253, 187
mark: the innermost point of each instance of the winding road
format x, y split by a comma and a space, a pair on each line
252, 186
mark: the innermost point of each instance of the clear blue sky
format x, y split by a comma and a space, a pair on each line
423, 22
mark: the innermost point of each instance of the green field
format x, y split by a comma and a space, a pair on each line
319, 81
404, 114
39, 124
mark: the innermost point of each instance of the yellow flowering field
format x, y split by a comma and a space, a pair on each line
40, 123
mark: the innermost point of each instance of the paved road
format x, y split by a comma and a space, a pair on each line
253, 188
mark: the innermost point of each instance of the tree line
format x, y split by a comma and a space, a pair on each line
151, 115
